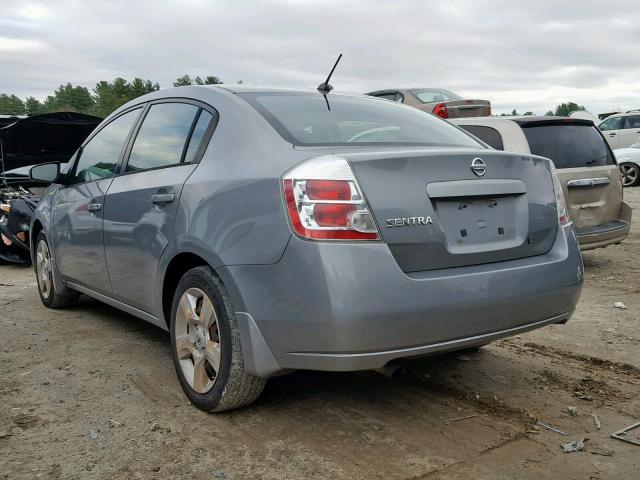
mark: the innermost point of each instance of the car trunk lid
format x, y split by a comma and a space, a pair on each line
468, 108
434, 212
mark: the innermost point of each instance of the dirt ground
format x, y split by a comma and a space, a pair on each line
91, 393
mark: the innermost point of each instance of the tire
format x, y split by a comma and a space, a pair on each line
630, 174
204, 334
52, 296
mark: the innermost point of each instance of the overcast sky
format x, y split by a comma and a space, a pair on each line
529, 55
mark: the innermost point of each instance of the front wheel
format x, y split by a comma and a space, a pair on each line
52, 296
630, 174
206, 348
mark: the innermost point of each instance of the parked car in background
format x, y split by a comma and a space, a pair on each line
629, 161
24, 142
438, 101
586, 168
274, 230
622, 130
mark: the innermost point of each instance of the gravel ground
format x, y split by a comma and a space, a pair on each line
90, 392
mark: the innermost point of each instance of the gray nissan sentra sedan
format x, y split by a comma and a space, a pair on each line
274, 230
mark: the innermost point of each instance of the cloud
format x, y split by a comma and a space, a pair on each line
518, 54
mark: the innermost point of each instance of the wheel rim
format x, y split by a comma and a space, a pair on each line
43, 269
629, 174
197, 340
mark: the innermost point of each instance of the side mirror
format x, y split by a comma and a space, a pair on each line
46, 172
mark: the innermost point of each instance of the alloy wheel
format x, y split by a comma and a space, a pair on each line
197, 340
629, 174
43, 269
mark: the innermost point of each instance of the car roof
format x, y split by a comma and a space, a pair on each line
240, 88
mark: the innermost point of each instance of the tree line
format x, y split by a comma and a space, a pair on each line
101, 101
562, 110
108, 96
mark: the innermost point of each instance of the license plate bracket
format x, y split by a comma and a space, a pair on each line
475, 224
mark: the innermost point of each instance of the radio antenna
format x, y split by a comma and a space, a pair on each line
324, 87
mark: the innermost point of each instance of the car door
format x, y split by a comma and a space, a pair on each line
76, 232
611, 128
141, 203
630, 132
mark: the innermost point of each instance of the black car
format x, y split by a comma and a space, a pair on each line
24, 142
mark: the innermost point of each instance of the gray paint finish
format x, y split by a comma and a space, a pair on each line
137, 230
301, 302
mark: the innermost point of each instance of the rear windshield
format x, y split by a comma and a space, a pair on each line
430, 95
569, 146
309, 119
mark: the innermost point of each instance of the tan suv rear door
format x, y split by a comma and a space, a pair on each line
586, 168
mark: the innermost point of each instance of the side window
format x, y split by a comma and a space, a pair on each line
100, 157
204, 120
488, 135
632, 121
614, 123
399, 97
162, 136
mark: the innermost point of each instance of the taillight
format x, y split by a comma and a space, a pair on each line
561, 206
441, 110
325, 202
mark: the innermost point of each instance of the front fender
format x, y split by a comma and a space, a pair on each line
44, 214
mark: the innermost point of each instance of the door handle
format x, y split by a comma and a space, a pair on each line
588, 182
612, 134
162, 198
94, 207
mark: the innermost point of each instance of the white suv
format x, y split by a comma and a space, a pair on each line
622, 130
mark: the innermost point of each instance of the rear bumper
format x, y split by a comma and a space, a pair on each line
348, 306
608, 233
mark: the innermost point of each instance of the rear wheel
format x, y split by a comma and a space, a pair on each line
206, 348
630, 174
51, 296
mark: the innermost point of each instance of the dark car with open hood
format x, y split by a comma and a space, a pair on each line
25, 142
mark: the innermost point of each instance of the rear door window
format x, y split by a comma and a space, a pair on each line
488, 135
632, 121
199, 131
569, 146
162, 136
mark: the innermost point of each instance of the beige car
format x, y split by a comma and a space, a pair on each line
586, 167
438, 101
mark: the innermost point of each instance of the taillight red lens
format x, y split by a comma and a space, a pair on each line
333, 214
441, 110
328, 190
324, 208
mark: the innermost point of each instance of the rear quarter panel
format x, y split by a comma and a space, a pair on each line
231, 208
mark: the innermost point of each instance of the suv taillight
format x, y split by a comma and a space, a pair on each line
441, 110
325, 202
561, 206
